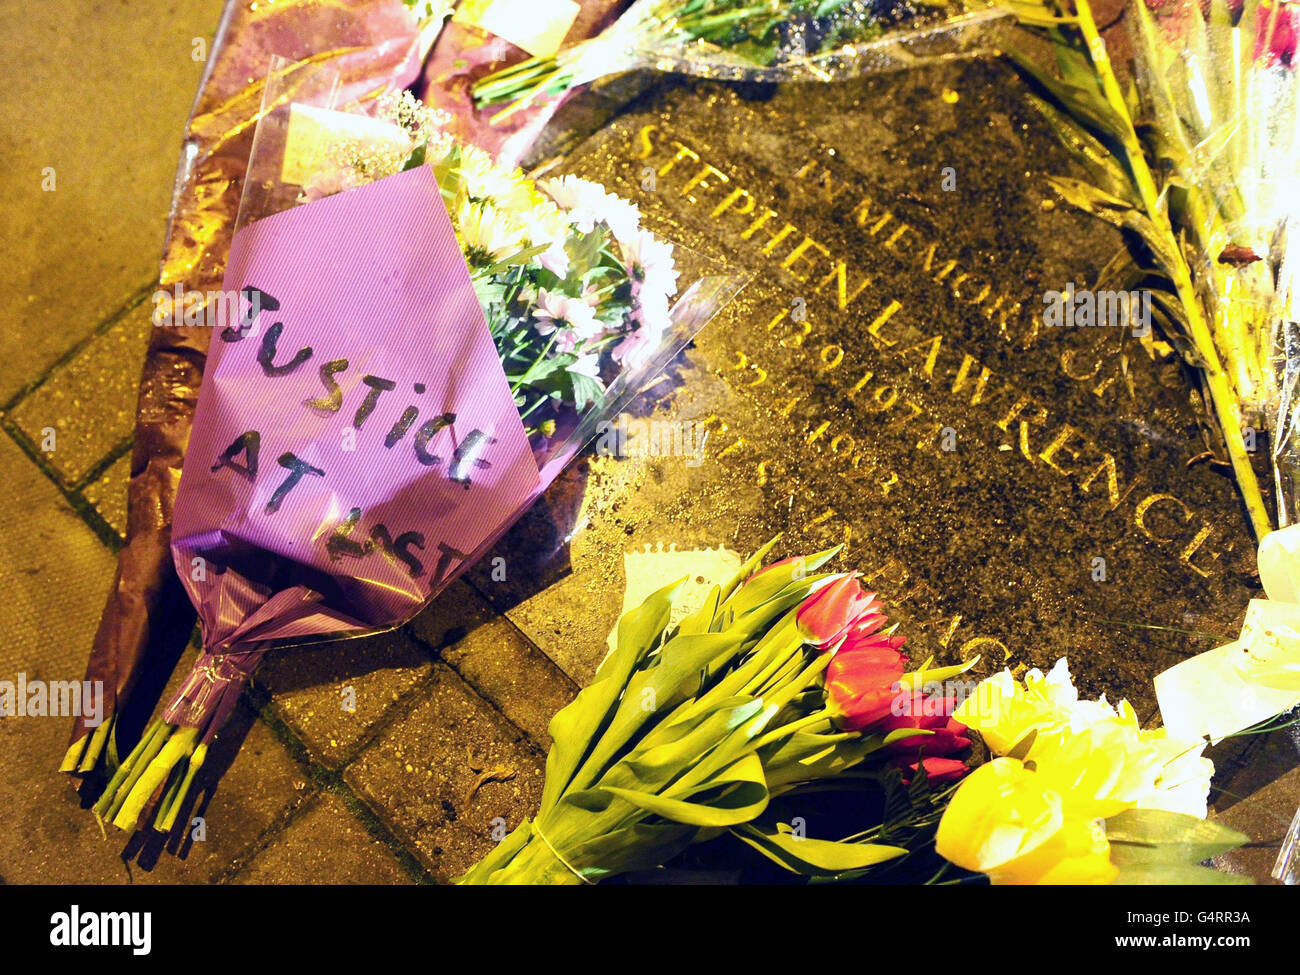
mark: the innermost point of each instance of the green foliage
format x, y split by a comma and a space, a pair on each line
686, 731
1152, 846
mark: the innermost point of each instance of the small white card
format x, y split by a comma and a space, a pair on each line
1230, 688
649, 570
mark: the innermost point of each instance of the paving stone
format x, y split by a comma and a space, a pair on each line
313, 688
47, 836
101, 100
419, 777
508, 670
496, 659
325, 844
456, 612
108, 494
89, 401
54, 574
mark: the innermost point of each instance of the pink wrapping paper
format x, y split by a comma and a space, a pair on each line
355, 440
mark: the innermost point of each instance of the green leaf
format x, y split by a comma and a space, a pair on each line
748, 569
763, 587
742, 796
701, 621
650, 695
1119, 213
1020, 750
641, 846
1155, 836
661, 762
815, 858
416, 158
576, 729
898, 734
1100, 160
806, 756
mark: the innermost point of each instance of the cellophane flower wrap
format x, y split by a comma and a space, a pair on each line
423, 341
743, 40
1219, 82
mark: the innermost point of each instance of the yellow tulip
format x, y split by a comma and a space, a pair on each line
1076, 854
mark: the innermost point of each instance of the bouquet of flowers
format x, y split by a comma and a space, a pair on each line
786, 685
783, 678
1077, 793
1198, 160
370, 46
485, 36
747, 40
423, 340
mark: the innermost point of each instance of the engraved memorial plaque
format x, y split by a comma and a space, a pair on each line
887, 382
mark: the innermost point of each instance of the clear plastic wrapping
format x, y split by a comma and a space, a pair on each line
416, 342
736, 40
1220, 85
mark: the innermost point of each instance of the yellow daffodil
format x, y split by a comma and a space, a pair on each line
1038, 817
1006, 821
1100, 770
1003, 711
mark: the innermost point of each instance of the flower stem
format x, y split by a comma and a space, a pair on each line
1223, 399
130, 770
179, 744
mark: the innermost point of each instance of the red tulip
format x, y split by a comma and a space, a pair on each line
862, 680
937, 770
947, 735
1275, 34
827, 616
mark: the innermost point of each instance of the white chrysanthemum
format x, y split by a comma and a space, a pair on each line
554, 310
589, 204
485, 231
583, 198
649, 262
651, 312
622, 218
